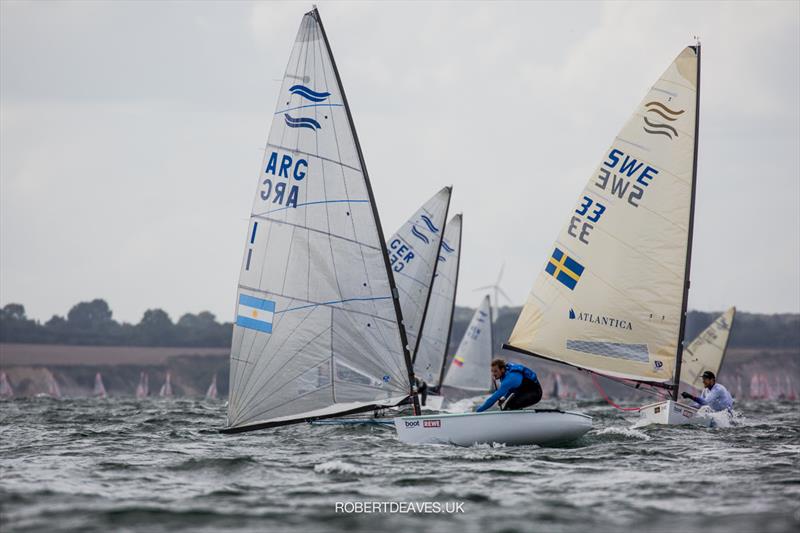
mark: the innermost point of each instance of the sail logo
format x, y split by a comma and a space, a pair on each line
601, 320
447, 248
255, 313
301, 122
565, 269
658, 112
308, 94
428, 222
418, 234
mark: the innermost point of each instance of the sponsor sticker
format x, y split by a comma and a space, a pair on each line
432, 423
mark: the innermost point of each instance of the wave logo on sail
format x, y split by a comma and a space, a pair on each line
447, 247
428, 222
658, 112
308, 94
302, 122
419, 235
565, 269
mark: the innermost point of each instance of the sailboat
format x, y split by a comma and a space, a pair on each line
143, 388
211, 393
318, 331
6, 391
469, 369
53, 390
431, 356
611, 298
166, 388
99, 388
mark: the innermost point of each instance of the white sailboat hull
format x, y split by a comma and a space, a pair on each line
543, 427
671, 413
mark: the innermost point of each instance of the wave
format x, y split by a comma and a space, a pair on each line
339, 467
627, 433
419, 235
429, 223
447, 247
665, 108
308, 94
302, 122
661, 126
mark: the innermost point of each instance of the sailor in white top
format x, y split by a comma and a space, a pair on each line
714, 395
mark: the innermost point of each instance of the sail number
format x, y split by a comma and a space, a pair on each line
282, 192
629, 179
582, 223
400, 254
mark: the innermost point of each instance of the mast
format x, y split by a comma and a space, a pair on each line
430, 284
677, 378
491, 335
453, 307
381, 239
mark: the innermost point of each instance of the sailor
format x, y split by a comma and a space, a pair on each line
422, 390
714, 395
519, 387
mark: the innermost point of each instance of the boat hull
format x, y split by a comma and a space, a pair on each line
514, 428
671, 413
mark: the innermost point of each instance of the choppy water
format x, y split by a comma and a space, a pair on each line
94, 465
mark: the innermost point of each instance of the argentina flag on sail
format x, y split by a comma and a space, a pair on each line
255, 313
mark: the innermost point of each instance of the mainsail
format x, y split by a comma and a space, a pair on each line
143, 388
433, 344
166, 388
211, 393
318, 329
611, 297
707, 350
99, 388
413, 253
469, 369
6, 391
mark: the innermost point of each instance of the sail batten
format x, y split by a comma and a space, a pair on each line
317, 328
611, 296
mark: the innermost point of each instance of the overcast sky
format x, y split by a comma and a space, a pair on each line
131, 136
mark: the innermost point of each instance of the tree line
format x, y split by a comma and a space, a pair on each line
92, 323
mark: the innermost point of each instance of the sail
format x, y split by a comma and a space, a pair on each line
211, 393
413, 252
6, 391
707, 351
317, 327
166, 388
610, 297
430, 357
143, 388
53, 389
469, 369
99, 387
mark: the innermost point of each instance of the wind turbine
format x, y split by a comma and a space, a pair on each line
495, 287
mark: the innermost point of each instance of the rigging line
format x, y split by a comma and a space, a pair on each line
304, 204
334, 302
351, 129
605, 396
329, 234
309, 105
251, 393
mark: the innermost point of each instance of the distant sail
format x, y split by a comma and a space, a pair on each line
211, 393
430, 358
707, 351
6, 391
53, 390
611, 294
166, 388
143, 389
318, 328
470, 368
413, 254
99, 388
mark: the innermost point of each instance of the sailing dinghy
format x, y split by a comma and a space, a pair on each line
99, 388
612, 296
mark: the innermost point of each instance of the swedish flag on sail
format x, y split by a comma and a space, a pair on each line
255, 313
564, 268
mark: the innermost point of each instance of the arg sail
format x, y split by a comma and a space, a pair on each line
318, 325
429, 359
707, 350
469, 369
611, 297
413, 253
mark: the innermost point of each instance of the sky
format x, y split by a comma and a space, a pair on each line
131, 136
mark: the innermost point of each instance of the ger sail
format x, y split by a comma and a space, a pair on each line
469, 369
430, 357
611, 297
318, 329
413, 253
707, 350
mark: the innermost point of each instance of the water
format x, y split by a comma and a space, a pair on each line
100, 465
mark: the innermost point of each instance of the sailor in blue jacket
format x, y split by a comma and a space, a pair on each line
518, 385
714, 395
